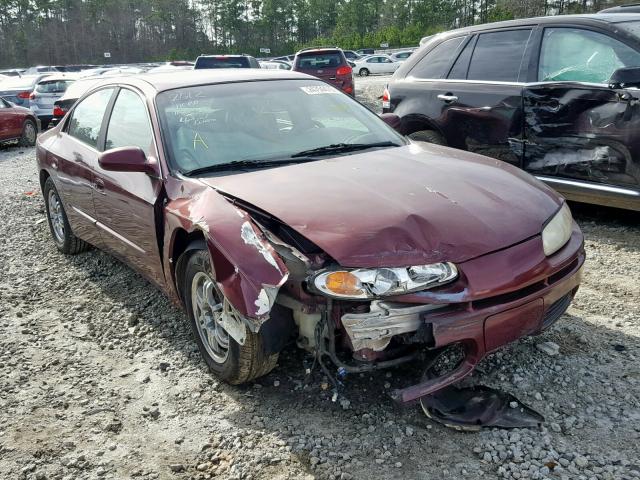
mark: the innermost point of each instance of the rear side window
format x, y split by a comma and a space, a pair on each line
222, 62
573, 54
459, 69
498, 56
435, 63
86, 118
309, 61
59, 86
129, 124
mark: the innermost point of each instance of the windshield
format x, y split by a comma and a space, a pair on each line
212, 125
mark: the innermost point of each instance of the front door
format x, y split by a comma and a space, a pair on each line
125, 202
576, 127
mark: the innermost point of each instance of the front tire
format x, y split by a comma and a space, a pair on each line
59, 226
29, 134
364, 72
205, 304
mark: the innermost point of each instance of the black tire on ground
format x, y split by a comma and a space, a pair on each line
64, 240
243, 363
429, 136
364, 72
29, 134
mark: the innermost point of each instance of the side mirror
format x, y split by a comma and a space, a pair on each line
625, 77
126, 159
392, 120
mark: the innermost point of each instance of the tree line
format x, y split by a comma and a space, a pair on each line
51, 32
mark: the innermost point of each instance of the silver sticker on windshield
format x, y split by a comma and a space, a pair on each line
318, 89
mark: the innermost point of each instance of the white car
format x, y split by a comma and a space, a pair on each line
375, 64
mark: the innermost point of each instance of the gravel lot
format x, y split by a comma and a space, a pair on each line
99, 378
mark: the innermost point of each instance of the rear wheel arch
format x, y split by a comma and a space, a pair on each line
413, 124
43, 178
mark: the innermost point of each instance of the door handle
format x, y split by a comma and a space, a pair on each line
447, 97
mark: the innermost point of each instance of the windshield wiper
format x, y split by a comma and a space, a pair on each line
243, 165
341, 148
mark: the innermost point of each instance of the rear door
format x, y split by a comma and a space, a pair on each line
578, 130
125, 201
74, 159
480, 103
5, 120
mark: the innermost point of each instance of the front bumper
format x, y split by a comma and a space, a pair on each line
526, 294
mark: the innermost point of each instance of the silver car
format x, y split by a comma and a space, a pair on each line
45, 93
18, 89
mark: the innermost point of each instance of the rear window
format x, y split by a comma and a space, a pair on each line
310, 61
58, 86
222, 62
435, 64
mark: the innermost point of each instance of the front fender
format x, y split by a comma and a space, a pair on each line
248, 270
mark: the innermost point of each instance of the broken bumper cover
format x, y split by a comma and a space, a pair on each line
485, 325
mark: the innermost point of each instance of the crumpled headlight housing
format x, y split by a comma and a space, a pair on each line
557, 231
380, 282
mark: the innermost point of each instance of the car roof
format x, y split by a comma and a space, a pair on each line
584, 19
182, 78
56, 77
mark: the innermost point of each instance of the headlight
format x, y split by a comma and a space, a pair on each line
558, 231
379, 282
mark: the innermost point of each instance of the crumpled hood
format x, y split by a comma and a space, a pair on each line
400, 206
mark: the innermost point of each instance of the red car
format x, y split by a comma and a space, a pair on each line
17, 123
270, 205
328, 64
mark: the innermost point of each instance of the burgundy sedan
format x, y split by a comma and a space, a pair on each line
17, 123
272, 206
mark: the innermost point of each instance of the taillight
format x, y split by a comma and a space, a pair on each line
348, 89
58, 112
24, 95
346, 70
386, 99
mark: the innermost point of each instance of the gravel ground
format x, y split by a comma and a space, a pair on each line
100, 379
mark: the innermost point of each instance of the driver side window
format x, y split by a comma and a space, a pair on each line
573, 54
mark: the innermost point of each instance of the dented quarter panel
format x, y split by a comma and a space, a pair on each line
583, 132
248, 270
400, 206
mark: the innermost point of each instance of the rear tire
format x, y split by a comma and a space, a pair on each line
429, 136
364, 72
59, 226
29, 134
232, 362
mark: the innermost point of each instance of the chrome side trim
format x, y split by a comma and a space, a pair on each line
591, 186
120, 237
453, 80
113, 233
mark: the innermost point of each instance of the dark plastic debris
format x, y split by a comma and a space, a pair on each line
471, 408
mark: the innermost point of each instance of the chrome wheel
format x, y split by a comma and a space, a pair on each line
56, 216
30, 133
209, 308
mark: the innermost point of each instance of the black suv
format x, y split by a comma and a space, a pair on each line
556, 96
225, 61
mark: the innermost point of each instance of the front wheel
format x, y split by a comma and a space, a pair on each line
209, 311
364, 72
29, 134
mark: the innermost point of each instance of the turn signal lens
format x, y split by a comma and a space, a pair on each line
386, 98
343, 283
